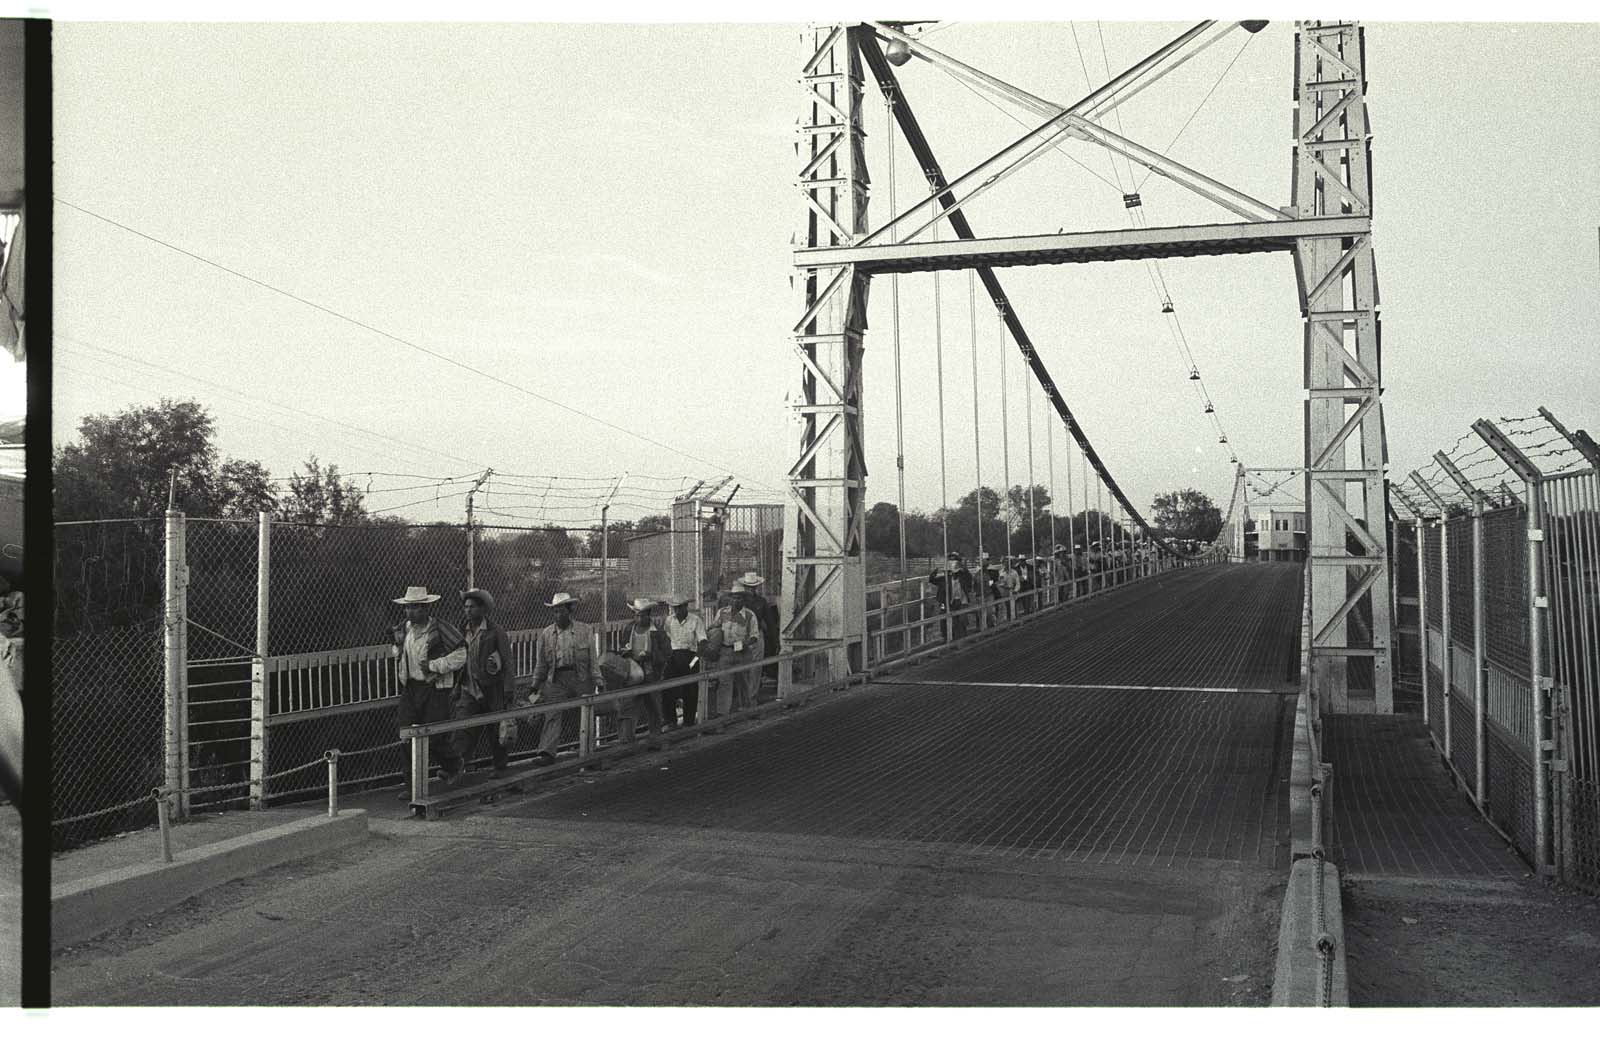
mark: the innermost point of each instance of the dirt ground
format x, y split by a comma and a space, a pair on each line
1471, 943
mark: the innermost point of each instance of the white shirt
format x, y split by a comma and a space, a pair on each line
686, 634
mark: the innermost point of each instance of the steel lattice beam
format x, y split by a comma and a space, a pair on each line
1343, 417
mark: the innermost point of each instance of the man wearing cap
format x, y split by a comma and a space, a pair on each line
954, 586
741, 644
1061, 570
428, 653
487, 681
647, 646
686, 633
566, 666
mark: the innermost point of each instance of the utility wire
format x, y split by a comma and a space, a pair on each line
492, 377
388, 440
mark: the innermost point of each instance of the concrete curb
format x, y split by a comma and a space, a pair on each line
1301, 839
83, 908
1298, 979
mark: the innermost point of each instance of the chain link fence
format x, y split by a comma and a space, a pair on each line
107, 674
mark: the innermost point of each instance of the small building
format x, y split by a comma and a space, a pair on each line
1280, 534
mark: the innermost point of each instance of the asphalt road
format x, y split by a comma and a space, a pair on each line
1039, 837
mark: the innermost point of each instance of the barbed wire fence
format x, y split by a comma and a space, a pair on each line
1507, 517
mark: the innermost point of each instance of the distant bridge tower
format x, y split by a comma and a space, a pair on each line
1344, 436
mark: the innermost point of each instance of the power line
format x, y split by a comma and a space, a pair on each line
386, 439
493, 378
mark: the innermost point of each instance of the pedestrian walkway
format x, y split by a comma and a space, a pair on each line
1396, 812
1439, 910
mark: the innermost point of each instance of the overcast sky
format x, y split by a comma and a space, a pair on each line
601, 215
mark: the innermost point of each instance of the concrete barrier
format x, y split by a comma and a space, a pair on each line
1311, 968
85, 907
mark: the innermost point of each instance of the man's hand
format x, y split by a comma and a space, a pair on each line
494, 664
399, 634
425, 669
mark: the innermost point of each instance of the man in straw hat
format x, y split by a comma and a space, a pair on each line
566, 666
741, 644
428, 653
487, 681
647, 646
766, 612
686, 633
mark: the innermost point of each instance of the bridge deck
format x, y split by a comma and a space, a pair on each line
1028, 745
1080, 842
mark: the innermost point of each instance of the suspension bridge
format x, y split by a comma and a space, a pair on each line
1134, 783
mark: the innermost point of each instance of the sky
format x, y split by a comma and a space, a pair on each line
601, 215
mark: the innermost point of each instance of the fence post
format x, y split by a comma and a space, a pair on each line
1447, 657
1538, 616
1480, 669
1422, 609
174, 629
1538, 612
258, 666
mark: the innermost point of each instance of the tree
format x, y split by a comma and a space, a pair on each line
654, 524
321, 497
1186, 514
883, 529
123, 464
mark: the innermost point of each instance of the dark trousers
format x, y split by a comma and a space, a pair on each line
421, 703
958, 620
688, 694
464, 742
564, 684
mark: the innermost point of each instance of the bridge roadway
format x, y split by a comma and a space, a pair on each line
1089, 810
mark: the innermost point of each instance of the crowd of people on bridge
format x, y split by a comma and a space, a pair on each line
447, 672
1014, 586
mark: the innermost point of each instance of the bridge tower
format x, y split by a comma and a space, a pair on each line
824, 592
1345, 448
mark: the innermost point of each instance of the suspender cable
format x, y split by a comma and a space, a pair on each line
938, 364
1033, 516
977, 443
1050, 454
894, 327
1005, 436
1072, 540
1100, 523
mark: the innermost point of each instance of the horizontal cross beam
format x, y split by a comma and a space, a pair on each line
1095, 246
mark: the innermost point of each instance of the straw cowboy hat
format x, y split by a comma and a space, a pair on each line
677, 598
752, 579
739, 588
639, 605
484, 599
415, 596
562, 599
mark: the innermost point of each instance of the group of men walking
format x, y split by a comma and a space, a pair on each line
450, 673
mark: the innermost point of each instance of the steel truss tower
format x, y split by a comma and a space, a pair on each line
824, 538
1327, 229
1344, 439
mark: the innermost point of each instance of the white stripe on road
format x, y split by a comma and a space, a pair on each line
1082, 686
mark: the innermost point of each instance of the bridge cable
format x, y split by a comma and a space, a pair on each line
1033, 514
1005, 432
1072, 540
1050, 454
938, 361
894, 301
977, 443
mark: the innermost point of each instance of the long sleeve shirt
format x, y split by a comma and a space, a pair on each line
449, 654
558, 648
740, 630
